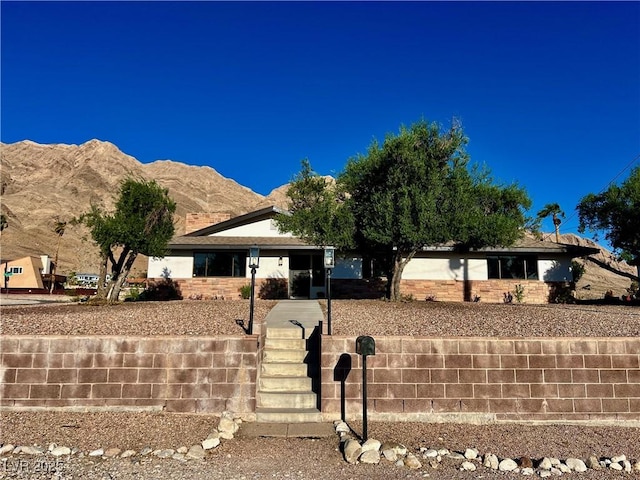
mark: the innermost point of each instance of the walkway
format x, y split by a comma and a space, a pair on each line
291, 314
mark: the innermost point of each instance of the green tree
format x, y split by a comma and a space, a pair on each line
553, 210
413, 191
142, 223
616, 211
59, 228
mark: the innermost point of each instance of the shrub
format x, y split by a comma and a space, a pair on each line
518, 294
245, 291
273, 289
165, 289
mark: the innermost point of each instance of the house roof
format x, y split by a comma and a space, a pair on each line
203, 240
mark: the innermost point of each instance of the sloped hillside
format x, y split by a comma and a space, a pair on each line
40, 184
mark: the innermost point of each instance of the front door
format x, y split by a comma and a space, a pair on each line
306, 276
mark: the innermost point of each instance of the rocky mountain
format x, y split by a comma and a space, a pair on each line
42, 184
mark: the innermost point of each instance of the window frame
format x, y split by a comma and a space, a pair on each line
236, 264
502, 267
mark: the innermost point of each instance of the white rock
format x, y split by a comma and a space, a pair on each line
544, 473
166, 453
507, 465
210, 443
352, 451
342, 427
17, 450
182, 450
128, 453
618, 458
6, 449
430, 453
59, 451
399, 463
146, 451
563, 468
592, 462
469, 466
195, 452
555, 471
370, 456
371, 444
615, 466
412, 462
527, 471
636, 466
555, 461
456, 456
576, 464
181, 457
471, 453
545, 464
627, 466
97, 453
52, 446
112, 452
35, 450
443, 452
390, 454
491, 461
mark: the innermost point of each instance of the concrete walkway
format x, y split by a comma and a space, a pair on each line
304, 314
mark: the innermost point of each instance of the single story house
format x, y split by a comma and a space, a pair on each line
29, 274
212, 261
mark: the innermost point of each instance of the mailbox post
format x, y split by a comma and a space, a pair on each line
365, 346
329, 263
254, 263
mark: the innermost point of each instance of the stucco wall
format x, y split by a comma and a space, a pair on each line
262, 228
452, 268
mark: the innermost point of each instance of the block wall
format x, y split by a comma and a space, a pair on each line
178, 374
504, 379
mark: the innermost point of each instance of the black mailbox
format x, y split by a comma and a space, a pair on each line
365, 345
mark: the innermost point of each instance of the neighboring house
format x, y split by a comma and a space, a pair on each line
212, 262
87, 279
29, 274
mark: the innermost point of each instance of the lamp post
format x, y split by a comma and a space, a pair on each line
254, 263
329, 263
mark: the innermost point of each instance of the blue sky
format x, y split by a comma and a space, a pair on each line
548, 93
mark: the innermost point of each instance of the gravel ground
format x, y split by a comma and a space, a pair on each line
349, 317
276, 458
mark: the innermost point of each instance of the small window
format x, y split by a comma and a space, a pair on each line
521, 267
15, 270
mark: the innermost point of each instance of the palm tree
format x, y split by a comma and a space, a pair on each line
59, 228
555, 211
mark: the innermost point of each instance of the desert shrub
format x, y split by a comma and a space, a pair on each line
245, 291
273, 289
133, 295
518, 294
577, 269
165, 289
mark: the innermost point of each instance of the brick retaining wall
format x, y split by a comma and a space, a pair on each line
501, 379
179, 374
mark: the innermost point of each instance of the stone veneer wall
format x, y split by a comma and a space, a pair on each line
178, 374
208, 288
489, 378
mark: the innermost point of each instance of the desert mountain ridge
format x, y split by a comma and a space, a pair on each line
41, 184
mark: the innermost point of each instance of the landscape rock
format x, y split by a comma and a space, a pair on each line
593, 463
456, 456
412, 462
182, 450
352, 451
390, 454
371, 444
96, 453
128, 453
471, 453
491, 461
112, 452
146, 451
507, 465
544, 473
34, 450
469, 466
527, 471
626, 464
615, 466
210, 443
342, 427
576, 464
6, 449
618, 458
196, 452
430, 453
545, 464
370, 456
164, 453
59, 451
525, 462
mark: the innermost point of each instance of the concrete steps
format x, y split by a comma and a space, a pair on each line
285, 392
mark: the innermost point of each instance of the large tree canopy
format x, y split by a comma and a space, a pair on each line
616, 211
142, 223
414, 190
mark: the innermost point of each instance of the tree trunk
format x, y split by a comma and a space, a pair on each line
101, 289
120, 276
396, 275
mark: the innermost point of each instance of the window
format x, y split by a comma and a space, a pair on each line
15, 270
219, 264
524, 267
